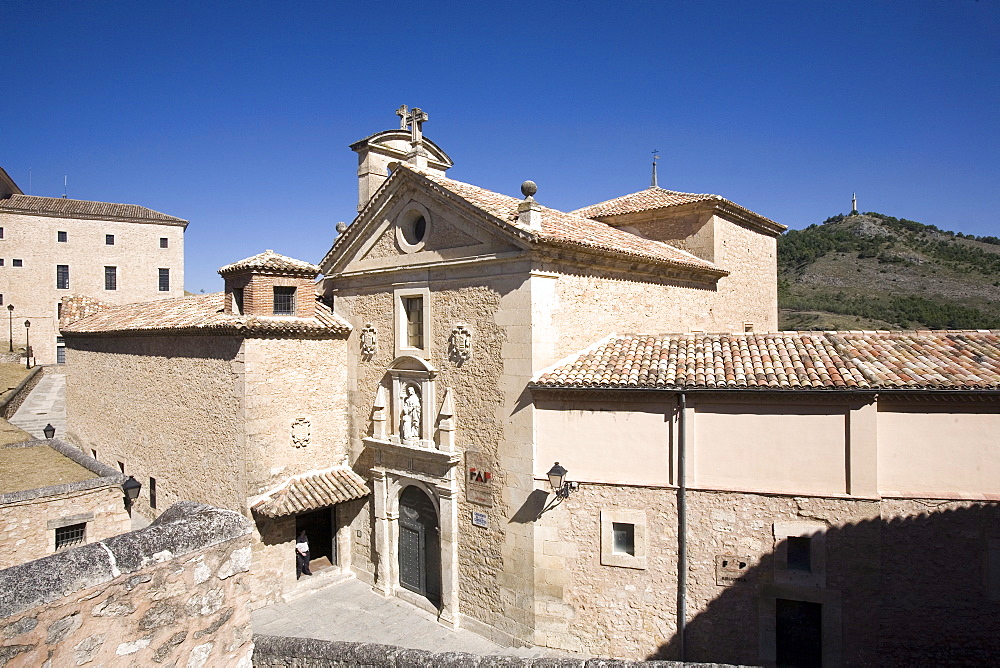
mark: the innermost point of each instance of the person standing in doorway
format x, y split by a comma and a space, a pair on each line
302, 555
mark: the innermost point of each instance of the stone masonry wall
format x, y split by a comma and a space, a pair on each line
32, 289
899, 579
174, 593
191, 443
27, 528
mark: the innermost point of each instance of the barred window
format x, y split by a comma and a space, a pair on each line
61, 236
284, 300
111, 278
17, 263
71, 535
164, 242
62, 277
109, 239
414, 307
164, 280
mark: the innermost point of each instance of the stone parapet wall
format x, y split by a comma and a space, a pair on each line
284, 652
175, 593
12, 401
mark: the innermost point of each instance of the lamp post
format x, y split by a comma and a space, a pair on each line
10, 325
27, 344
131, 488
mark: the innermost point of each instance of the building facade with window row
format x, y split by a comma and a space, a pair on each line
53, 247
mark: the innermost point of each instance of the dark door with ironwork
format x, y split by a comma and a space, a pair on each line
419, 545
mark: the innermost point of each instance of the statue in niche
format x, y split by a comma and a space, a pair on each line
409, 424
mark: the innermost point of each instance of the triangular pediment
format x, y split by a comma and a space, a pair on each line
383, 236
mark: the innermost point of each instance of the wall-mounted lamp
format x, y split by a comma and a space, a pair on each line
131, 488
561, 486
49, 431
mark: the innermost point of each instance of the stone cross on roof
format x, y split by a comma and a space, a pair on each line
412, 119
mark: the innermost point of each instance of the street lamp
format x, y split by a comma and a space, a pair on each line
49, 431
27, 344
10, 325
131, 488
559, 484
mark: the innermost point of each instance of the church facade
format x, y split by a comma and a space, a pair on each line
473, 339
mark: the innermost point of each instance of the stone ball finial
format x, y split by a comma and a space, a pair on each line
341, 227
528, 189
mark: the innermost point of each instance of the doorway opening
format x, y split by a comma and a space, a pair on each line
321, 528
419, 547
798, 633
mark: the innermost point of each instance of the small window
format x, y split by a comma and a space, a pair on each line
71, 535
58, 310
238, 301
1, 233
17, 263
1, 300
164, 242
111, 278
414, 307
109, 239
1, 261
62, 277
798, 553
61, 236
623, 534
164, 280
284, 300
152, 492
748, 327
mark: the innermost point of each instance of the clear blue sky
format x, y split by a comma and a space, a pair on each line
237, 115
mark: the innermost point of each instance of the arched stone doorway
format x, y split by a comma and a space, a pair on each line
419, 547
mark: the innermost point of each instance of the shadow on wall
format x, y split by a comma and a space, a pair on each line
915, 590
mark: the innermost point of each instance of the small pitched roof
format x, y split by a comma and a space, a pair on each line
270, 262
203, 314
567, 229
76, 208
311, 491
938, 360
653, 198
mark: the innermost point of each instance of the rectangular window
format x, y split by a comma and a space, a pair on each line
1, 233
414, 307
152, 492
164, 242
798, 553
58, 310
164, 280
17, 263
62, 277
624, 537
1, 261
74, 534
1, 300
238, 301
109, 239
111, 278
284, 300
60, 350
61, 236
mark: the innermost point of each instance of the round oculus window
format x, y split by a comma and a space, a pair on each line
414, 230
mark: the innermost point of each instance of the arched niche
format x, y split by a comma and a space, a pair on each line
414, 401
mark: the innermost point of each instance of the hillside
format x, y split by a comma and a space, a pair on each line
872, 271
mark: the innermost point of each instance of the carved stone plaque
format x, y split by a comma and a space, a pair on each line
369, 340
478, 479
300, 432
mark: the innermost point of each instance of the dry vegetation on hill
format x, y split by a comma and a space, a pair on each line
872, 271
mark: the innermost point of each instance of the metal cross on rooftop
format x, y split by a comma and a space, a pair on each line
652, 182
412, 119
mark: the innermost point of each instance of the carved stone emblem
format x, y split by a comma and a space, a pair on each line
460, 343
369, 340
300, 432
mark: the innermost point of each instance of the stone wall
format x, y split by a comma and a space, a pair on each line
191, 442
12, 400
283, 652
174, 593
901, 581
29, 518
32, 290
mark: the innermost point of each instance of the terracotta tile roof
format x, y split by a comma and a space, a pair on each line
270, 262
203, 314
952, 360
78, 208
653, 198
310, 491
76, 306
561, 228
